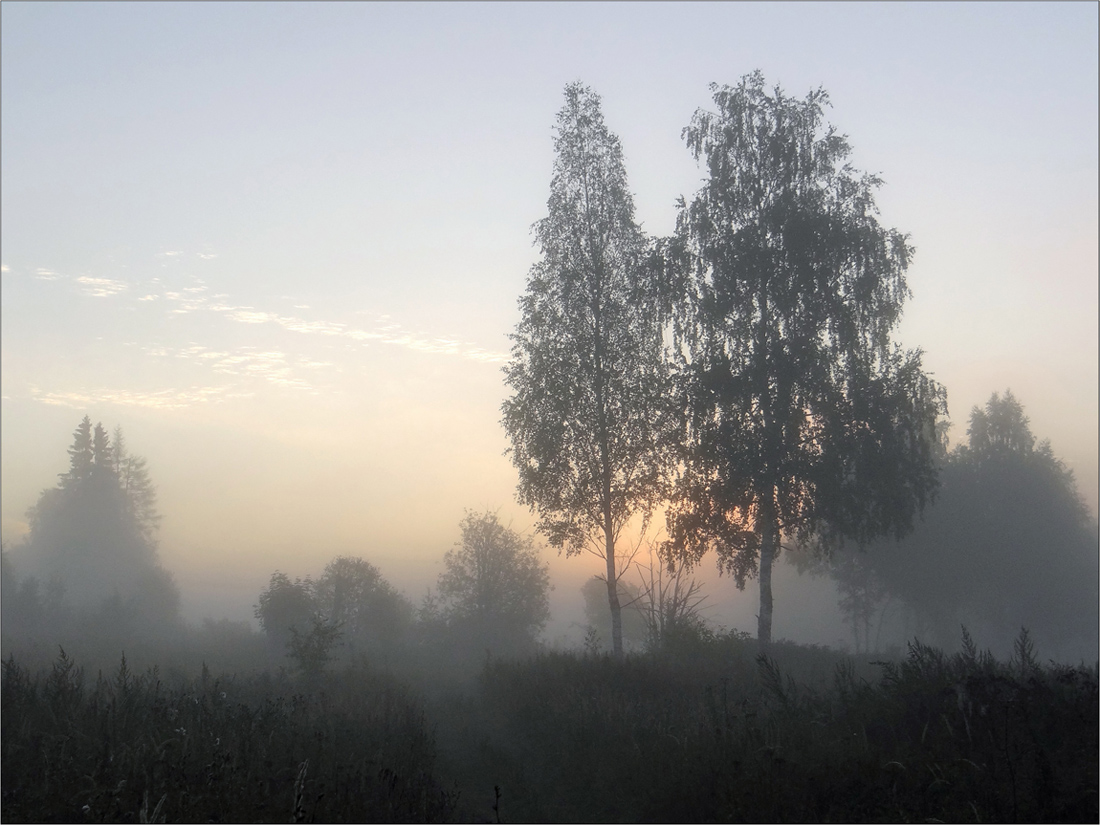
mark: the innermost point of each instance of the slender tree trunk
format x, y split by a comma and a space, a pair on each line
613, 585
769, 528
769, 541
600, 343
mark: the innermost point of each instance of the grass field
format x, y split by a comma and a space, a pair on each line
711, 732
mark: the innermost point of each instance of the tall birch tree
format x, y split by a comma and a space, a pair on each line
588, 419
804, 418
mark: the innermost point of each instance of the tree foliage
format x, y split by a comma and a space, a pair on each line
588, 418
352, 594
312, 649
804, 419
93, 536
1008, 543
350, 604
285, 607
494, 589
140, 493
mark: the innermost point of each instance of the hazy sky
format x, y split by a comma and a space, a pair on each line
282, 244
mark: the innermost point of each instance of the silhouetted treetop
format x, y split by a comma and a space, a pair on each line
494, 586
93, 536
589, 419
80, 454
803, 417
999, 427
352, 593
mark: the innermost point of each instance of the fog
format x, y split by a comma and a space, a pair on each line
807, 607
84, 549
300, 320
301, 404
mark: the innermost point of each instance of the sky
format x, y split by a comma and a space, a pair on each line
282, 244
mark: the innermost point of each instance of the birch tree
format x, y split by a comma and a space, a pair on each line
588, 418
804, 418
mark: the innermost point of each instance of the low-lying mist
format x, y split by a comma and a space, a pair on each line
488, 691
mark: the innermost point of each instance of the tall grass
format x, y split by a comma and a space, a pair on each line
737, 738
125, 748
705, 732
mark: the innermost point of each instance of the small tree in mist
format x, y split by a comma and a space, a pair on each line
285, 608
350, 603
672, 602
588, 420
311, 649
134, 481
803, 419
863, 597
352, 594
495, 590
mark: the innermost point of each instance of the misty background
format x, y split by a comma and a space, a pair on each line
281, 247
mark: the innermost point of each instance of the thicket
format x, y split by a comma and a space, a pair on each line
129, 748
707, 731
726, 736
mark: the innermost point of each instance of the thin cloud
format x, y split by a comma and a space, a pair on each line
486, 356
272, 366
189, 299
249, 317
387, 332
169, 399
183, 300
100, 287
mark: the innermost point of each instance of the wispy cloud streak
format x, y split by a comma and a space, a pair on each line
387, 333
269, 365
196, 297
100, 287
169, 399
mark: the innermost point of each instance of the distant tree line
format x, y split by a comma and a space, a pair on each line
492, 597
1007, 543
88, 571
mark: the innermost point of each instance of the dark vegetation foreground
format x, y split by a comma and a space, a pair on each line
710, 732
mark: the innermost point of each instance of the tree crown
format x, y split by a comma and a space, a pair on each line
494, 578
800, 408
587, 424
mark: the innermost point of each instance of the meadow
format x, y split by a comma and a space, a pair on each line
703, 731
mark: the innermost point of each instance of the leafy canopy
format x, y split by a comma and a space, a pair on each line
803, 416
494, 583
587, 421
